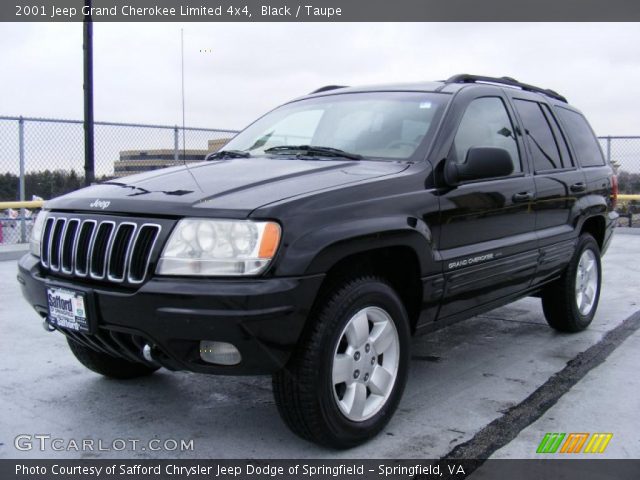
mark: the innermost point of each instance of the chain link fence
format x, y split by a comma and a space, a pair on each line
42, 158
624, 154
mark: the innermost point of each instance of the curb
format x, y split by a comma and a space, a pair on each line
13, 252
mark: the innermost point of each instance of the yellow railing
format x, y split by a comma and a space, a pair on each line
627, 197
29, 204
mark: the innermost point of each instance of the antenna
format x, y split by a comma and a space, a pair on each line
184, 147
184, 143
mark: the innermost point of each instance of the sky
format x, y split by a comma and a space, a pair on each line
235, 72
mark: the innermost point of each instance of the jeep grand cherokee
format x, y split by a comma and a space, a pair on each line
319, 239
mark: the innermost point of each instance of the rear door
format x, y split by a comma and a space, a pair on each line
559, 182
588, 153
598, 173
486, 230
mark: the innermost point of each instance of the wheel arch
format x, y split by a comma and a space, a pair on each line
397, 248
396, 264
595, 226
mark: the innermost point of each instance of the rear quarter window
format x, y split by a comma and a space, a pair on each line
540, 138
581, 136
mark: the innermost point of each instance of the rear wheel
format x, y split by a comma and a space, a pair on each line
570, 303
345, 381
107, 365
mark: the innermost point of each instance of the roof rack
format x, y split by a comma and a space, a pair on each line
512, 82
327, 88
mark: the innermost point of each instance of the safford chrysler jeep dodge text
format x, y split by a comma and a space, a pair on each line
327, 233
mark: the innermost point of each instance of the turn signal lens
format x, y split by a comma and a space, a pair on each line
270, 240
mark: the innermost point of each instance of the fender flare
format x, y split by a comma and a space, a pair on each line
590, 206
333, 243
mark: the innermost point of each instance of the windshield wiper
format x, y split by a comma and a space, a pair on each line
227, 154
313, 150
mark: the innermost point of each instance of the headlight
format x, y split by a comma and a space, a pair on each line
219, 247
36, 232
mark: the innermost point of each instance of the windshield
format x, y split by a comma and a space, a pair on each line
382, 125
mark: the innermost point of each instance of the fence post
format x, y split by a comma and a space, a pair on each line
23, 226
609, 149
175, 144
89, 143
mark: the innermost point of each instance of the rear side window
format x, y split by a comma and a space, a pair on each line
486, 123
561, 139
540, 138
581, 136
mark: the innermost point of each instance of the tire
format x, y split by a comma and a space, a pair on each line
107, 365
570, 303
359, 325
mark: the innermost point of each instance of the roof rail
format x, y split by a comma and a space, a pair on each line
327, 88
512, 82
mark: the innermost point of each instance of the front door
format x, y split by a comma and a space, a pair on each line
487, 238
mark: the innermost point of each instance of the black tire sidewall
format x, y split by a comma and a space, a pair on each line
367, 294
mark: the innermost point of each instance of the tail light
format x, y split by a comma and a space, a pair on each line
614, 191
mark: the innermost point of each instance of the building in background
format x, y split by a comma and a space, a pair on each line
136, 161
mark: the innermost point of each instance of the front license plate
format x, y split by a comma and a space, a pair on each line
67, 309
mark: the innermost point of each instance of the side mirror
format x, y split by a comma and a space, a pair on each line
481, 162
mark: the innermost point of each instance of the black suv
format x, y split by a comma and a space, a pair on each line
327, 233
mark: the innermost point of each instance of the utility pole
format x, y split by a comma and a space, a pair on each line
89, 167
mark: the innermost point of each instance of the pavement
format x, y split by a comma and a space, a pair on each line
605, 400
467, 383
13, 252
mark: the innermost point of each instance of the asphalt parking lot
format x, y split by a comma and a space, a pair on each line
462, 379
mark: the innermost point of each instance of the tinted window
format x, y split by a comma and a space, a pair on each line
379, 125
582, 138
567, 159
486, 123
537, 130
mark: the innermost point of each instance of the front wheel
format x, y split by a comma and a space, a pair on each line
344, 382
570, 303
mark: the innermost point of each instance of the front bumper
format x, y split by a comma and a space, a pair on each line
263, 318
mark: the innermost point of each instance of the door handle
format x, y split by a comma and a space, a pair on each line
578, 187
522, 197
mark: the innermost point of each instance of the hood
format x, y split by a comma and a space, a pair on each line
232, 188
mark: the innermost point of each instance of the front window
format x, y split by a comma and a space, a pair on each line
486, 123
380, 125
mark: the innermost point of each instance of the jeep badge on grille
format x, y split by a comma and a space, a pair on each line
97, 203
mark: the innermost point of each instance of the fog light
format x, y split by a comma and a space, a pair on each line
220, 353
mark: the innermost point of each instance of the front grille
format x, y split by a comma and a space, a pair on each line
98, 253
111, 250
67, 245
120, 250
